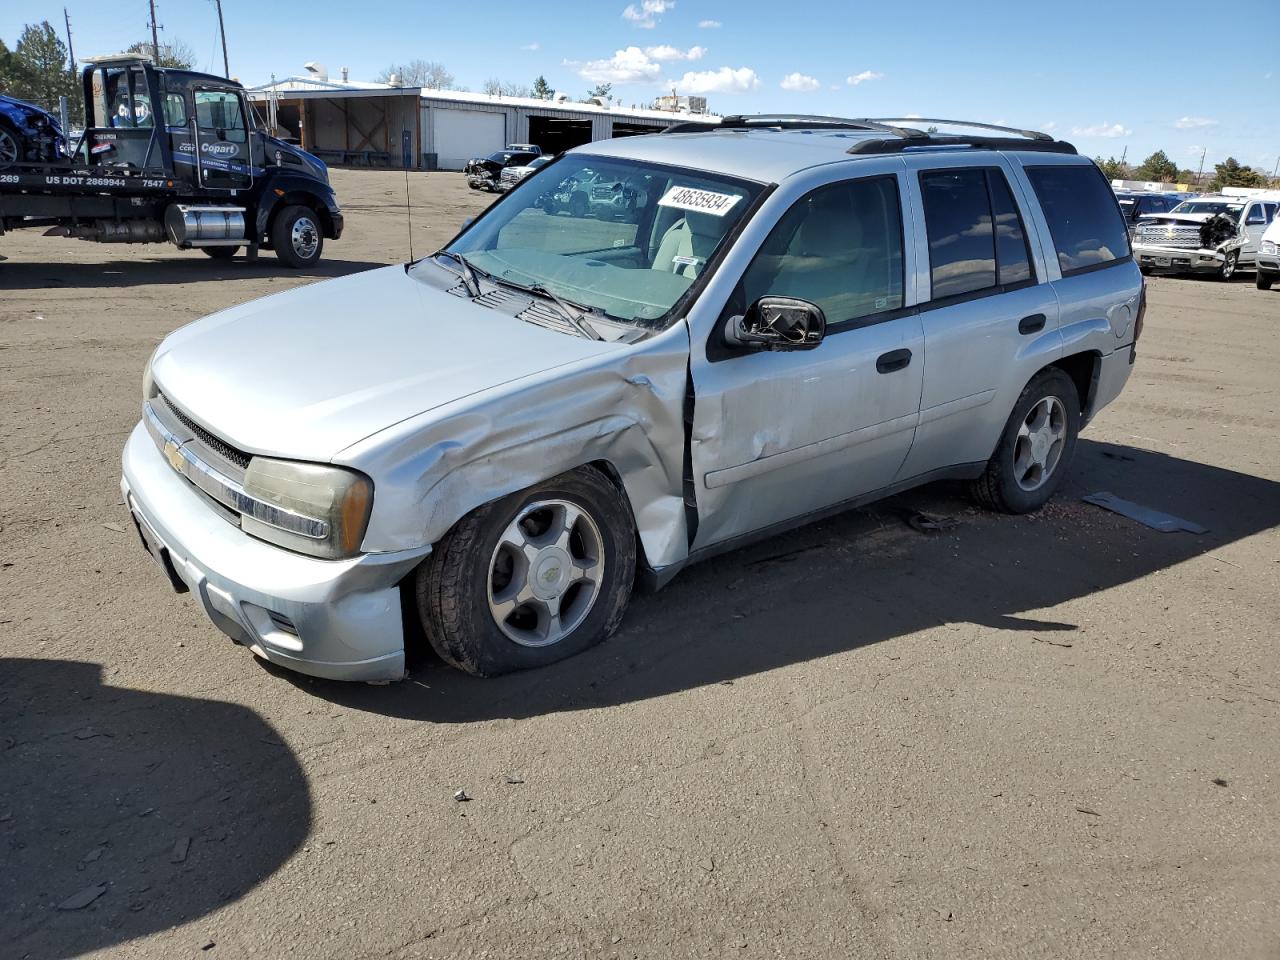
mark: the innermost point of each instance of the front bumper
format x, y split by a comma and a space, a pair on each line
345, 614
1268, 263
1177, 259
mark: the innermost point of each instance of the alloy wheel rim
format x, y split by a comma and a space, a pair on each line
546, 573
8, 148
304, 237
1042, 435
1228, 267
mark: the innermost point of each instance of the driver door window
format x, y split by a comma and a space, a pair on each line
218, 112
840, 247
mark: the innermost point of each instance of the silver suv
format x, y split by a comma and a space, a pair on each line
804, 314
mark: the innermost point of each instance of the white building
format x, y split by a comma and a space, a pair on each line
377, 124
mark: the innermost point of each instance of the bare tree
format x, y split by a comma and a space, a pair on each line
504, 88
427, 74
175, 54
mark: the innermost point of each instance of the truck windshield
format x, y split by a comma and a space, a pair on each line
1232, 210
621, 237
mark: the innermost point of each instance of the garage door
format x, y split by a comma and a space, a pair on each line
459, 135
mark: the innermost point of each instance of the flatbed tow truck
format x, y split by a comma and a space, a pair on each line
175, 156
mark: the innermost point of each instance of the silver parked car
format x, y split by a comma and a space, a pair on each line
803, 315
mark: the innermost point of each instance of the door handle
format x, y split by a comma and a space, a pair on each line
893, 360
1032, 324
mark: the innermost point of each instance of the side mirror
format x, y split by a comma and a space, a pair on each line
468, 222
778, 323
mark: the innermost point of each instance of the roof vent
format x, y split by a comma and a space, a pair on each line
394, 80
317, 70
344, 74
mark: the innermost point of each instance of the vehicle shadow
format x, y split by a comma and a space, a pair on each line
124, 812
860, 578
178, 268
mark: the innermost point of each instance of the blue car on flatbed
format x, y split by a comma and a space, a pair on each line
28, 134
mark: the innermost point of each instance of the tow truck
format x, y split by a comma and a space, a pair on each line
175, 156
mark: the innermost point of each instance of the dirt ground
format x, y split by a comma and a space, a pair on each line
1048, 736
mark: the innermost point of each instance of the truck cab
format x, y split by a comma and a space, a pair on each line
175, 155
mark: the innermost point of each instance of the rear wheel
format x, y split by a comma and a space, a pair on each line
1264, 280
220, 253
1035, 448
532, 578
296, 236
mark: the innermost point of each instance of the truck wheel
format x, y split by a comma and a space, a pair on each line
1035, 448
10, 152
296, 236
532, 578
1228, 268
220, 253
1264, 280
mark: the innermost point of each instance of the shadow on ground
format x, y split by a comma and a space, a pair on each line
858, 579
178, 268
134, 811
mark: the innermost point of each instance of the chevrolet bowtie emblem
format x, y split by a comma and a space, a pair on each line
173, 453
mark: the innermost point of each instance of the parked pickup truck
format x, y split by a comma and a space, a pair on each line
483, 173
1211, 234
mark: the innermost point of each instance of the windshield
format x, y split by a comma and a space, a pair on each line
617, 236
1232, 210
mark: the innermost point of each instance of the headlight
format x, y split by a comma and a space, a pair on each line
314, 509
1268, 246
149, 390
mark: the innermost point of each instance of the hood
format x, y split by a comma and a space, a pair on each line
306, 373
1189, 219
313, 164
30, 108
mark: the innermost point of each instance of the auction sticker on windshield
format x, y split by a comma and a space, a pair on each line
704, 201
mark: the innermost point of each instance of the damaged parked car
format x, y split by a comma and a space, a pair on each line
498, 441
1212, 234
28, 134
484, 173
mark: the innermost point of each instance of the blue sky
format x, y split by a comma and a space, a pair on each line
1083, 70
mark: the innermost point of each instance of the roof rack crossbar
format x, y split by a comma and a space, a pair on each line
1029, 134
898, 145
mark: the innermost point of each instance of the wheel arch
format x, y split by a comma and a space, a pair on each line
1083, 369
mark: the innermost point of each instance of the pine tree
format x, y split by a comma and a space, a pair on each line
541, 89
43, 72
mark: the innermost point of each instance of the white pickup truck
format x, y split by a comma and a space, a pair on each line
1215, 234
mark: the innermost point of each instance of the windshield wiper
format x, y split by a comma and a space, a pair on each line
467, 275
573, 312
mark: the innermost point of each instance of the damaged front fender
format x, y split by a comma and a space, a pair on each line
624, 409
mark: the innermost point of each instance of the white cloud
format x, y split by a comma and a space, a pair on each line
631, 65
724, 80
713, 24
799, 82
664, 52
1109, 131
1194, 123
1049, 127
646, 13
531, 46
913, 116
863, 77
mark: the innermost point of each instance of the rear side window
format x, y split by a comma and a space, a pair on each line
839, 247
1087, 229
976, 238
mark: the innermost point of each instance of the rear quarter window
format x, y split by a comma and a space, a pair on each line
1084, 221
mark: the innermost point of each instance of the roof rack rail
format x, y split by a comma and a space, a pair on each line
898, 145
794, 121
1029, 134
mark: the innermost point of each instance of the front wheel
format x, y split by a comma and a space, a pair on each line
296, 236
10, 147
1228, 268
532, 578
1035, 448
1264, 280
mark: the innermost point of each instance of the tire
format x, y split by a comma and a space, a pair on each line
475, 564
578, 205
296, 236
1007, 484
1228, 268
219, 253
1264, 280
10, 146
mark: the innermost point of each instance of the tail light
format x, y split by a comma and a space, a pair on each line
1142, 311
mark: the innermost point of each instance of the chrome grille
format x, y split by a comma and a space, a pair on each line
218, 446
1182, 238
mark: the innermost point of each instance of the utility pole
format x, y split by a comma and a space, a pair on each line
71, 51
155, 36
226, 69
1200, 172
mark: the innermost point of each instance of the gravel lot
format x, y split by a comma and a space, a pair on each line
1040, 736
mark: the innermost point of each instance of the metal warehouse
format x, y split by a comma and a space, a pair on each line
378, 124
